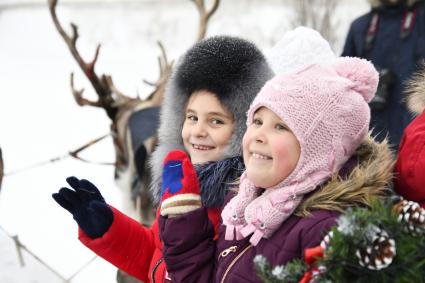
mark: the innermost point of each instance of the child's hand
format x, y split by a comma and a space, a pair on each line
180, 188
86, 205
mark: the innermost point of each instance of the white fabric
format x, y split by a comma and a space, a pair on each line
299, 48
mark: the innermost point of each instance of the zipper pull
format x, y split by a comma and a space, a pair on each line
226, 252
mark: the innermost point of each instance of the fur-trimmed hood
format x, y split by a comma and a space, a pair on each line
232, 68
380, 3
369, 176
415, 92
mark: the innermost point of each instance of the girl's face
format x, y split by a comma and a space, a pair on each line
270, 150
207, 128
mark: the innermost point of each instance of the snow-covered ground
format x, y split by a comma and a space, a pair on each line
40, 120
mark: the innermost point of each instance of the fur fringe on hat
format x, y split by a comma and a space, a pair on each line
232, 68
415, 91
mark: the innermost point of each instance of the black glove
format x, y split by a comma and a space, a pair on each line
86, 205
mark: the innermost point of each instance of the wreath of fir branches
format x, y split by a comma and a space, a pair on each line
352, 233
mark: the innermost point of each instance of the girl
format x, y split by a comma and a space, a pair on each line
307, 157
203, 113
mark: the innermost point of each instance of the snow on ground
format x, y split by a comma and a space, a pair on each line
40, 120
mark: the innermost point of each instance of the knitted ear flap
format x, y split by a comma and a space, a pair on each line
233, 214
361, 72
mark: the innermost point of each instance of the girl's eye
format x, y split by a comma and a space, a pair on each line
281, 127
217, 122
257, 122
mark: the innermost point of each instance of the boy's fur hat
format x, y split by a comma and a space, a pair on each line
232, 68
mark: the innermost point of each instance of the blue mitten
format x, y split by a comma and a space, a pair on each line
86, 205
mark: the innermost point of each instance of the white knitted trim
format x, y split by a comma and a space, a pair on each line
180, 197
179, 209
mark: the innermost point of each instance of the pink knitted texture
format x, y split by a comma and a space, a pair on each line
326, 108
234, 216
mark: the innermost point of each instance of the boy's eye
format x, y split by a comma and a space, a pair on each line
192, 117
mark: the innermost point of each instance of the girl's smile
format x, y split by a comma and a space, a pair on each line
270, 149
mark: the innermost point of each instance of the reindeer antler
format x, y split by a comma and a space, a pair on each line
204, 16
99, 83
165, 68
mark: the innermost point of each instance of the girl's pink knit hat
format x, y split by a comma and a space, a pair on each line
326, 107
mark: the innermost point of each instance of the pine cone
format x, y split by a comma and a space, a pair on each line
412, 215
379, 252
325, 243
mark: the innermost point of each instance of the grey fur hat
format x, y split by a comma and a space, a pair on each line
232, 68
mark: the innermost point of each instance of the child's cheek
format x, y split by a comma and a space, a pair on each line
283, 155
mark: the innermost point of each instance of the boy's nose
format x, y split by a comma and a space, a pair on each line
199, 130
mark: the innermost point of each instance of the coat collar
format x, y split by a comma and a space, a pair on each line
216, 179
415, 98
368, 174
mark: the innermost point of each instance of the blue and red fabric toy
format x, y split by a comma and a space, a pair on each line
180, 191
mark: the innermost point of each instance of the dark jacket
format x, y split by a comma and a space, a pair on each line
199, 260
390, 51
191, 254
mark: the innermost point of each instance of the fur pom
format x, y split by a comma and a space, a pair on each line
361, 72
416, 91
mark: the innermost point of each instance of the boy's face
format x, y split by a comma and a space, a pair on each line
207, 127
270, 149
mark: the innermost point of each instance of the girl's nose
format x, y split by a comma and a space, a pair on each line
259, 136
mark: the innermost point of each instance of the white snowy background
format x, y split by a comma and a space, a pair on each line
39, 118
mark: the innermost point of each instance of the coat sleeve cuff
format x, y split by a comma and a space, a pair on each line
127, 244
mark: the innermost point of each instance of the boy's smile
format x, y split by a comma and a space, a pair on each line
202, 147
207, 128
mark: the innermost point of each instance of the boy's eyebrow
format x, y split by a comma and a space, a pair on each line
221, 114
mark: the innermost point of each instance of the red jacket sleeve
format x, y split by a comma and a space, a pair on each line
127, 244
410, 165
